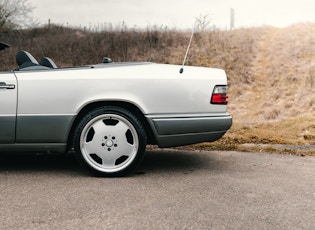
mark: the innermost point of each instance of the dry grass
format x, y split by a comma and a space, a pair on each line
271, 71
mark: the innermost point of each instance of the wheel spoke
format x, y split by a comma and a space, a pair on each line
120, 129
92, 148
99, 128
126, 149
108, 160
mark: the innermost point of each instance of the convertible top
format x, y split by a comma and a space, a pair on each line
26, 61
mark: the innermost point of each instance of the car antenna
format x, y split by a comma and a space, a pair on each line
182, 68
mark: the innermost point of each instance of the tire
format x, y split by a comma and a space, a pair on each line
110, 141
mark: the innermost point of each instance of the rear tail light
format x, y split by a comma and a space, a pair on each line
219, 95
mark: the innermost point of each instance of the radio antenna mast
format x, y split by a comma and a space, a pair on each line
182, 68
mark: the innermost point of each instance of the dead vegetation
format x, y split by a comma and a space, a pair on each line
271, 71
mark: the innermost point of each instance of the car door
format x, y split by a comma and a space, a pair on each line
8, 106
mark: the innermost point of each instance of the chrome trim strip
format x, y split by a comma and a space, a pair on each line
44, 115
187, 115
7, 115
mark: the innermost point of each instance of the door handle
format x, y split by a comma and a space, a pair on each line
3, 85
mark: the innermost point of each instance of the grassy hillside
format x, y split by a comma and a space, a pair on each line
277, 104
271, 71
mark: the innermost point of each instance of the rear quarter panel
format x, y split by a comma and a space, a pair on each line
49, 100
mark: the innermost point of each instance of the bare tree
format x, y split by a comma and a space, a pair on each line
15, 14
202, 22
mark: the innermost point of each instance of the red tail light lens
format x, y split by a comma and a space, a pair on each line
219, 95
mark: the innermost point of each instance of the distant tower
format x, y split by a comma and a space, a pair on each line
232, 15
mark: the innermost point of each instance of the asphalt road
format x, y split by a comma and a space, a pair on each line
171, 190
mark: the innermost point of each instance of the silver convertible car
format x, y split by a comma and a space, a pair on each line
107, 113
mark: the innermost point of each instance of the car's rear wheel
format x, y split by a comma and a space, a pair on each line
110, 141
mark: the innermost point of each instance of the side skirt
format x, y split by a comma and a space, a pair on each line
34, 148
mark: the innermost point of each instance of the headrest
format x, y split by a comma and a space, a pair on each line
46, 61
3, 45
25, 57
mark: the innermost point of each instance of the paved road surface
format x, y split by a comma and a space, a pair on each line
172, 190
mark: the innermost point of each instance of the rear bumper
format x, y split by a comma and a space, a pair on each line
177, 130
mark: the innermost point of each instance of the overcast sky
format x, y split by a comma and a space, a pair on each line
172, 13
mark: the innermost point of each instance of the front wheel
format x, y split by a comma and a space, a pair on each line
110, 141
